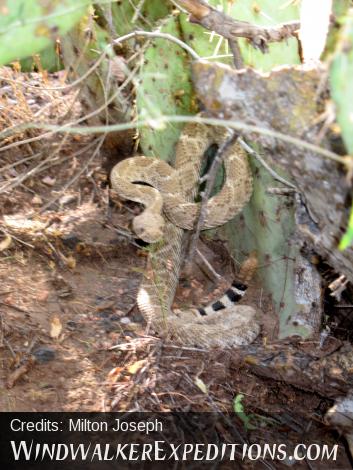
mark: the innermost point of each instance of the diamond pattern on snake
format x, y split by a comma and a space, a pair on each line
170, 211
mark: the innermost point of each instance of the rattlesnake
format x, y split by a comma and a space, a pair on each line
170, 209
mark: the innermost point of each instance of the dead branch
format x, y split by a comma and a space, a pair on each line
210, 179
214, 20
304, 364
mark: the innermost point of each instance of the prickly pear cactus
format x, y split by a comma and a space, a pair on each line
339, 9
267, 223
125, 16
342, 94
164, 86
29, 26
341, 85
48, 59
164, 89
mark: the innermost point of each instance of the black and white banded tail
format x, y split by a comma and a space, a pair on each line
230, 297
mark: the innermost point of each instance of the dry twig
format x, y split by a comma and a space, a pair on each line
231, 29
210, 179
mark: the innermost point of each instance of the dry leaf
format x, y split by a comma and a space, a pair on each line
5, 243
114, 374
17, 374
37, 200
136, 366
52, 265
49, 181
201, 385
69, 261
55, 327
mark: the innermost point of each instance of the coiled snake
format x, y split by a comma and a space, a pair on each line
169, 211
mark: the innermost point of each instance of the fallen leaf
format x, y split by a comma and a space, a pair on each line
136, 366
67, 199
51, 264
5, 243
114, 374
18, 373
69, 261
37, 200
201, 385
49, 181
55, 327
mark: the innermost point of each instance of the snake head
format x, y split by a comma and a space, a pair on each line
149, 227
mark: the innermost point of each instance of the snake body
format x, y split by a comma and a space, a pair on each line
170, 210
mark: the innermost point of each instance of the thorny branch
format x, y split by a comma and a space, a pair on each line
224, 25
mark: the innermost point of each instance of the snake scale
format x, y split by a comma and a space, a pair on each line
168, 195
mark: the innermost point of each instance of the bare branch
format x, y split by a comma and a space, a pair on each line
205, 195
231, 29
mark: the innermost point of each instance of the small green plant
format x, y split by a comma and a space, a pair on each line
251, 421
347, 238
238, 408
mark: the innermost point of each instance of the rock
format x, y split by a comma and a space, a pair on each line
44, 354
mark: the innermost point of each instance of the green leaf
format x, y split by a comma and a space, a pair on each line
239, 410
237, 403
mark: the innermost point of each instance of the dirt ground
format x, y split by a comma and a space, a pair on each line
71, 337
